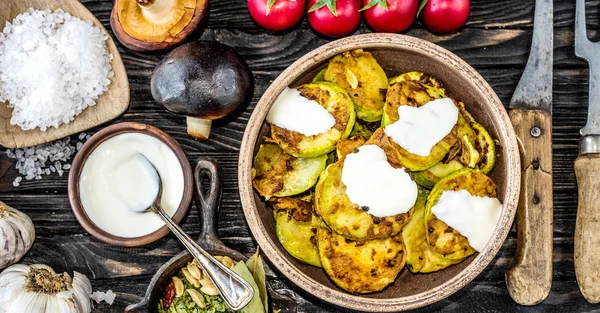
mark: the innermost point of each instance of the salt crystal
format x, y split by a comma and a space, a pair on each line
32, 162
52, 67
108, 297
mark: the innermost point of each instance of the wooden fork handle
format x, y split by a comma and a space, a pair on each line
529, 278
587, 227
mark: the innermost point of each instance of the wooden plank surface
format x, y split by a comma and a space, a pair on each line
495, 41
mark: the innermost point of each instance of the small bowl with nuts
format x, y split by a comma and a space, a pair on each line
181, 285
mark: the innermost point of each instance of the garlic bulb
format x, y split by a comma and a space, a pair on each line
38, 289
16, 235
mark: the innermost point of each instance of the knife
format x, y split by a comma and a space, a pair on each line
529, 277
587, 227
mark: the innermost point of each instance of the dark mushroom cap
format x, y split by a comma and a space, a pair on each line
203, 79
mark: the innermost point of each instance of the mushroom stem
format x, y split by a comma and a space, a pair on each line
198, 128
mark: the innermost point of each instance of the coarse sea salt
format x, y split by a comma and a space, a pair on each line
52, 67
294, 112
45, 159
108, 297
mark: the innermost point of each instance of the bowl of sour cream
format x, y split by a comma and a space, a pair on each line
106, 185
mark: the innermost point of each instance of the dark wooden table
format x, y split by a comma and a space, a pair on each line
495, 41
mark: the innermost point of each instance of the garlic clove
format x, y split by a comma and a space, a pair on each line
205, 281
59, 305
30, 302
17, 234
351, 78
190, 278
38, 289
82, 288
194, 271
227, 261
178, 283
210, 290
197, 297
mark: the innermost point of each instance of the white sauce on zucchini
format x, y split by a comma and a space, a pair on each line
294, 112
419, 129
472, 216
373, 183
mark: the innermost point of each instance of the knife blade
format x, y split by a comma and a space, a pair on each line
529, 277
587, 226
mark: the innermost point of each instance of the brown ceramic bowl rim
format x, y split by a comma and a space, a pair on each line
337, 296
80, 159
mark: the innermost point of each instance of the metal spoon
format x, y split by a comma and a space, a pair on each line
236, 292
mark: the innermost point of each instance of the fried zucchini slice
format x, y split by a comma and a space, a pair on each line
419, 257
349, 145
380, 139
346, 218
296, 228
337, 102
484, 143
433, 87
360, 267
278, 174
429, 177
486, 151
362, 77
361, 129
442, 238
414, 94
320, 76
487, 148
469, 156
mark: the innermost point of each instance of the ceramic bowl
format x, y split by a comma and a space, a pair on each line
396, 54
88, 148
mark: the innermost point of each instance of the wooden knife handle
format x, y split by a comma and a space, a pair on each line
587, 227
529, 278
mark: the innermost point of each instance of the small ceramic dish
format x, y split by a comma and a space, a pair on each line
109, 105
396, 54
208, 201
88, 148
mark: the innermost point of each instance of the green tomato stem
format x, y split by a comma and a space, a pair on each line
331, 4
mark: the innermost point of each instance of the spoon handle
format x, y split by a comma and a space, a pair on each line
236, 292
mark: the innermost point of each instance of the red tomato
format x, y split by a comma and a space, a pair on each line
324, 22
398, 16
445, 16
282, 15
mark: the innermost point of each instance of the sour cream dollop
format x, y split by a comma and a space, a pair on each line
372, 182
419, 129
115, 184
472, 216
294, 112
